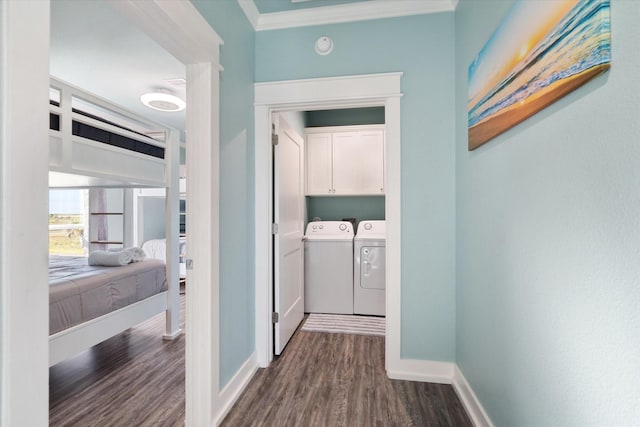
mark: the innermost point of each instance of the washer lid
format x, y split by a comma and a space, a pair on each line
329, 230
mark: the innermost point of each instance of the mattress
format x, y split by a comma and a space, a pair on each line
79, 292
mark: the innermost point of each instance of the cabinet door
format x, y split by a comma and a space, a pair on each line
319, 164
372, 162
358, 162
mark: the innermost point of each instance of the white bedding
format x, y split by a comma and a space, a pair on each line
157, 249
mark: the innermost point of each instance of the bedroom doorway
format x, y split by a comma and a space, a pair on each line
25, 28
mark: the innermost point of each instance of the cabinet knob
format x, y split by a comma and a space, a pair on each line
382, 190
329, 191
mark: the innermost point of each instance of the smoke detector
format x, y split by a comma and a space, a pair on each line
324, 45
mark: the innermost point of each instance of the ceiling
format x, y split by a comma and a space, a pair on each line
277, 14
270, 6
96, 49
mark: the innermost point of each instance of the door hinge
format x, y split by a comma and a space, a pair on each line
274, 139
274, 228
275, 317
189, 264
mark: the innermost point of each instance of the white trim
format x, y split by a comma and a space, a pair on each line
177, 26
423, 370
263, 254
393, 218
336, 92
72, 341
202, 320
182, 31
234, 388
314, 91
250, 11
172, 219
351, 12
24, 160
472, 405
444, 373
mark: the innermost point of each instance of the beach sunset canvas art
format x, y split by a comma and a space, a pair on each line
541, 51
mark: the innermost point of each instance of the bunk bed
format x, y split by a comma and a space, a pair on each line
95, 143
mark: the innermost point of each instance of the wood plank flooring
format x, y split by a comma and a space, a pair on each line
132, 379
137, 379
325, 379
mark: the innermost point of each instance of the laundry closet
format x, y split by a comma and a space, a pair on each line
344, 251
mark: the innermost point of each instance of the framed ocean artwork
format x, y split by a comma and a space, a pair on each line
541, 51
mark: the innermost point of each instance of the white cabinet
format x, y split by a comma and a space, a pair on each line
346, 160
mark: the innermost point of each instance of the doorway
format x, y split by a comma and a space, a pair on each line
25, 27
378, 90
328, 166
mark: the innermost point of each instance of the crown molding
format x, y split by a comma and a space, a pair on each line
362, 11
251, 12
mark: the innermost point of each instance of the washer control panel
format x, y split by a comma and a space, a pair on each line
329, 228
371, 228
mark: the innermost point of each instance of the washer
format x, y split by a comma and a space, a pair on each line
328, 267
369, 268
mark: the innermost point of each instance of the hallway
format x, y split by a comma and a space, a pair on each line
325, 379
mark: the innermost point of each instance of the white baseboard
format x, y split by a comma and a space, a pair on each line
470, 401
407, 369
422, 370
232, 391
442, 373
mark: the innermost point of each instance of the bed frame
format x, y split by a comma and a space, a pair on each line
79, 162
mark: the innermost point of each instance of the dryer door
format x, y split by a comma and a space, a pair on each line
372, 270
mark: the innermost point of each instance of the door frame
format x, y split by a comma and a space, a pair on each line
371, 90
179, 28
182, 31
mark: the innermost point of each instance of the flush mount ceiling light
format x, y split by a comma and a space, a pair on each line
324, 45
163, 101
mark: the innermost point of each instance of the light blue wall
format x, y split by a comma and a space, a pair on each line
153, 218
236, 183
548, 246
423, 48
337, 208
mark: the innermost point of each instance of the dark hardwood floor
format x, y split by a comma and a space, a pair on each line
326, 379
137, 379
132, 379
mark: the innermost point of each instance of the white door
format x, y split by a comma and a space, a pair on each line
288, 245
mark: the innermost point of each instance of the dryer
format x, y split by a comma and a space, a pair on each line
369, 268
328, 267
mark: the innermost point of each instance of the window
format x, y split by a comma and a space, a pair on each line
68, 219
81, 221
